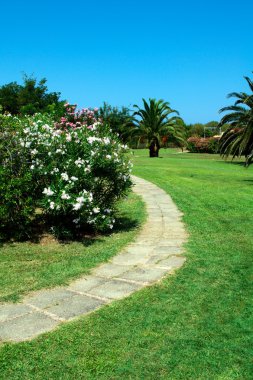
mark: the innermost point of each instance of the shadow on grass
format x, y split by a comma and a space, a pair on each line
250, 181
41, 233
231, 162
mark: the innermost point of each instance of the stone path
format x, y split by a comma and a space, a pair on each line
156, 252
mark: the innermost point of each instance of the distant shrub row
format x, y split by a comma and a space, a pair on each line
203, 144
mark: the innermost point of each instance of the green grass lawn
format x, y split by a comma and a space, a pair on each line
28, 266
196, 324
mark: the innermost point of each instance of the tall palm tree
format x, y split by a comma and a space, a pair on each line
154, 121
237, 140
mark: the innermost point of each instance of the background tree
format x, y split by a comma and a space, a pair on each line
119, 119
237, 140
155, 121
203, 130
9, 94
30, 97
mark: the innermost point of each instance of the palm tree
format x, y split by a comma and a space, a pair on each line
154, 121
237, 140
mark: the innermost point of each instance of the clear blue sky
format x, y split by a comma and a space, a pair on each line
190, 53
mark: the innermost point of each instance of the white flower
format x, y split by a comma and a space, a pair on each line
77, 206
76, 221
65, 176
111, 226
87, 170
34, 151
51, 205
96, 210
46, 127
92, 139
65, 195
74, 178
68, 137
25, 144
57, 133
79, 162
55, 170
107, 140
32, 167
80, 199
48, 191
108, 156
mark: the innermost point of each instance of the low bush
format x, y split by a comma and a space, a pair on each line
72, 172
203, 144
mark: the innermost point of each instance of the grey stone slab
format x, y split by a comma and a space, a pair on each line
115, 289
26, 327
110, 270
87, 283
167, 250
169, 241
147, 243
174, 233
155, 212
155, 259
13, 311
146, 275
45, 298
168, 213
173, 223
75, 306
172, 262
129, 259
139, 250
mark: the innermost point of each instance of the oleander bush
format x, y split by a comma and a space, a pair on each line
71, 172
203, 144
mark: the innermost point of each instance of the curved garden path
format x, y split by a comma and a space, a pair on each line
156, 252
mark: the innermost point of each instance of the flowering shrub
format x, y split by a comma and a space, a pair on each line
73, 170
203, 144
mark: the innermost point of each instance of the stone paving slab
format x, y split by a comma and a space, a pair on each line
115, 289
139, 250
26, 326
110, 270
172, 262
44, 298
157, 251
146, 275
167, 250
10, 311
86, 283
130, 259
75, 306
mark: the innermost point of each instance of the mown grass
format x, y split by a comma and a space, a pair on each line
196, 324
29, 266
